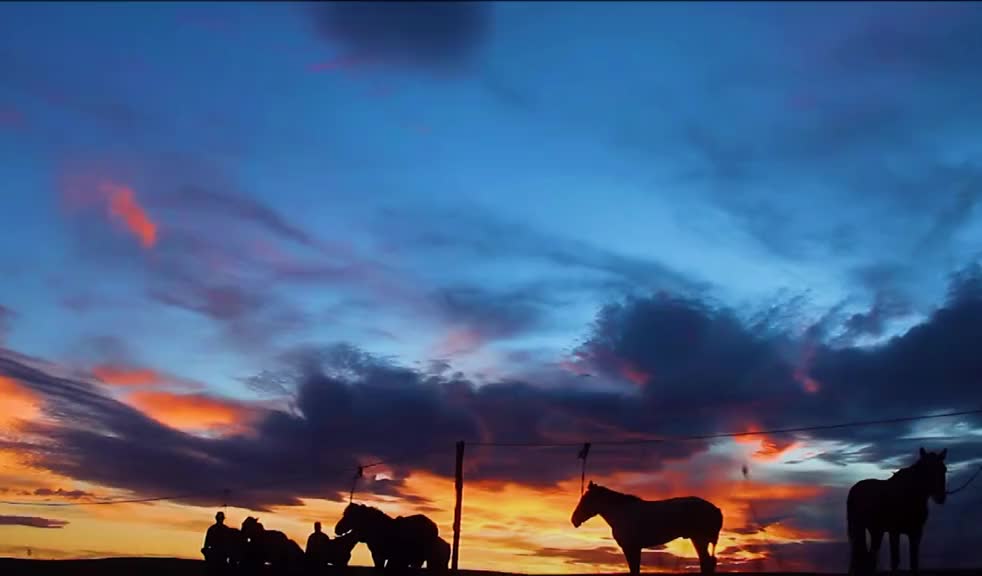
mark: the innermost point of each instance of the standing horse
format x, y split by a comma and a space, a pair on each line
637, 523
271, 547
403, 542
895, 506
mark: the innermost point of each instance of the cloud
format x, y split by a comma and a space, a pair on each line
62, 493
476, 316
20, 404
426, 35
192, 412
124, 207
612, 558
759, 381
209, 204
32, 522
120, 203
6, 316
485, 238
710, 370
874, 322
42, 83
125, 376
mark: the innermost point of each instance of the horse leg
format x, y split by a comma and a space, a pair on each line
914, 540
894, 551
876, 539
378, 558
633, 556
707, 564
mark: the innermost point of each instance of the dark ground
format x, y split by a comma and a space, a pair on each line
179, 567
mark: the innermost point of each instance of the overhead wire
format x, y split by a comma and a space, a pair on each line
629, 442
723, 435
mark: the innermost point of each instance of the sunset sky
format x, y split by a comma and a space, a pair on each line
250, 247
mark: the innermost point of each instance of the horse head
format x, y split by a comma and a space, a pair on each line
588, 506
931, 472
350, 519
251, 528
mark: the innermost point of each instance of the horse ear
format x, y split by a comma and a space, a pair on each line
591, 485
943, 453
923, 452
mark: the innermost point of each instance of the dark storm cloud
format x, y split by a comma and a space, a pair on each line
401, 416
707, 372
429, 35
32, 522
704, 362
886, 307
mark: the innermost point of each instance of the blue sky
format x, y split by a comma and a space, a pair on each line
478, 184
733, 147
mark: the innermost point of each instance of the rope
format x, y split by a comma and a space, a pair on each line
584, 452
967, 482
354, 483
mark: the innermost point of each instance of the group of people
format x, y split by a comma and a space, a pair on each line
229, 550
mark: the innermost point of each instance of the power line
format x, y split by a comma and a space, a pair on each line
633, 442
720, 435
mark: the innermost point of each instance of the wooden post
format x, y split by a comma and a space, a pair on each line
459, 489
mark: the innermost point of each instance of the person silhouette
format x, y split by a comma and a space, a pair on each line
317, 547
214, 550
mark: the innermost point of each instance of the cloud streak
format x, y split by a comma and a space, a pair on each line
32, 522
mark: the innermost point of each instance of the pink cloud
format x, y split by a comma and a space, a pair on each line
124, 207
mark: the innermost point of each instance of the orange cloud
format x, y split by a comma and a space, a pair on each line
125, 376
124, 207
769, 448
191, 412
506, 526
19, 404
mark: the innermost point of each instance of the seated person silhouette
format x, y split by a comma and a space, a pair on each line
318, 547
214, 550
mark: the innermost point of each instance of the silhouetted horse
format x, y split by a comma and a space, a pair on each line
438, 559
233, 547
637, 523
896, 506
261, 547
397, 543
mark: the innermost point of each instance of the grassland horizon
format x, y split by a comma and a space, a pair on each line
155, 566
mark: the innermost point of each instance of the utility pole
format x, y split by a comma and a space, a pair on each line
459, 489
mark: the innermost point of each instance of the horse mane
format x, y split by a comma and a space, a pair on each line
374, 512
613, 494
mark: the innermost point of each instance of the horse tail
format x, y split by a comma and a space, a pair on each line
857, 536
